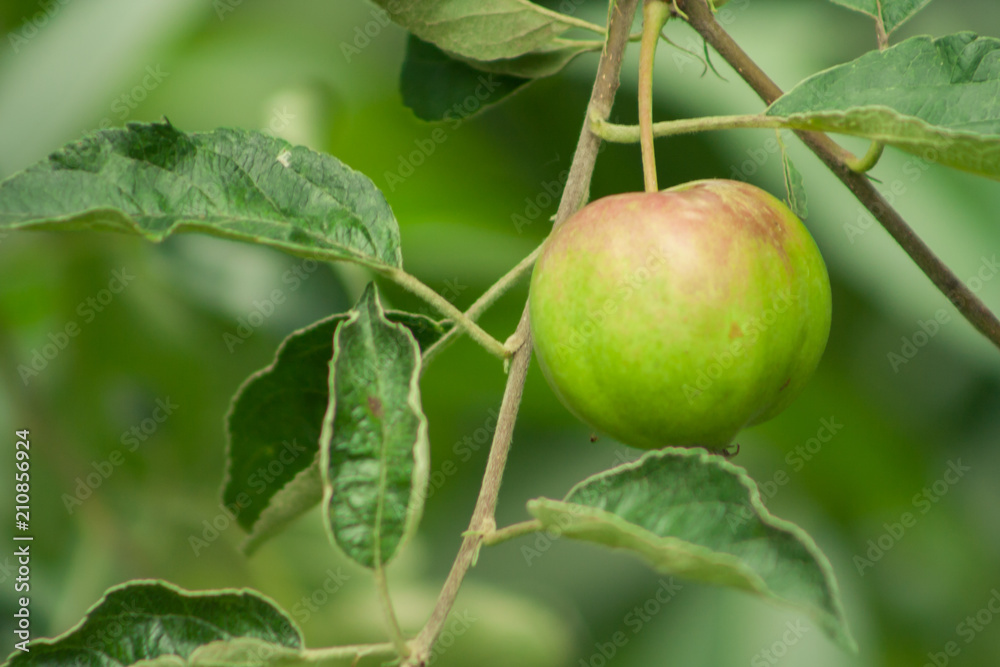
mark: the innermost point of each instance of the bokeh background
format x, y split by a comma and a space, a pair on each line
283, 67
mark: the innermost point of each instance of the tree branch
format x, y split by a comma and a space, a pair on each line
833, 156
574, 196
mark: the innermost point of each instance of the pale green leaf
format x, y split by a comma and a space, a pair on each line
892, 13
374, 445
154, 180
484, 29
696, 515
938, 99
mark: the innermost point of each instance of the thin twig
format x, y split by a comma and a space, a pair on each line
350, 651
574, 195
447, 308
487, 299
625, 134
974, 310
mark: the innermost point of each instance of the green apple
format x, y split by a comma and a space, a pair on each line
677, 318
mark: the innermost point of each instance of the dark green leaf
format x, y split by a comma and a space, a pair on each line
374, 444
436, 86
934, 98
892, 13
153, 180
156, 621
696, 515
537, 64
484, 29
274, 427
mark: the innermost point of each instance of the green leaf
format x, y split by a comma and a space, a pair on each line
696, 515
436, 86
796, 192
485, 29
154, 180
892, 13
934, 98
157, 621
374, 447
274, 425
537, 64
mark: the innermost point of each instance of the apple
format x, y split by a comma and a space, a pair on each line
677, 318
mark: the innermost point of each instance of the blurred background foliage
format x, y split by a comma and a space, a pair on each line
283, 67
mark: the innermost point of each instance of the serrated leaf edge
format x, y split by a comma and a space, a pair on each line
843, 631
174, 588
421, 448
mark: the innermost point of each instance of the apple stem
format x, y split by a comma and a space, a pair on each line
654, 16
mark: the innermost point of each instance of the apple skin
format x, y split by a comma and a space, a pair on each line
677, 318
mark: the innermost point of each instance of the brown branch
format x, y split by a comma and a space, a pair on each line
833, 156
574, 196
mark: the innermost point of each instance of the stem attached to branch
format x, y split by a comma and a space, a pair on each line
487, 299
975, 311
512, 531
629, 134
356, 651
574, 195
654, 16
447, 308
868, 161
